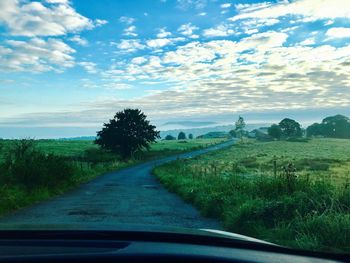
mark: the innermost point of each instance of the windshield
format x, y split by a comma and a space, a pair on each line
200, 114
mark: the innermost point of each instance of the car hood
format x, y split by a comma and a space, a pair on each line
122, 228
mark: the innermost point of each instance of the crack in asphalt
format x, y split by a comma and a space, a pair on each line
128, 196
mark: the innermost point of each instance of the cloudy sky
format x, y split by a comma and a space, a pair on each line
67, 65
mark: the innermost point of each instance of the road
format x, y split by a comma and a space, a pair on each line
131, 196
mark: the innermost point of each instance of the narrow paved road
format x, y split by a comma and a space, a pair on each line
131, 196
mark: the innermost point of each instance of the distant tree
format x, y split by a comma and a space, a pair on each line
337, 126
169, 137
290, 128
181, 136
232, 133
315, 129
127, 132
190, 136
275, 131
239, 127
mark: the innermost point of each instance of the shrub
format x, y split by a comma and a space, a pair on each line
181, 136
25, 165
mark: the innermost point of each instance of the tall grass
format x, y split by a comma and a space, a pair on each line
287, 209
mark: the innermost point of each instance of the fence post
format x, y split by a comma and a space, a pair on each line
274, 165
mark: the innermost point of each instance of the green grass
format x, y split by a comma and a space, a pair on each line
308, 209
77, 148
24, 181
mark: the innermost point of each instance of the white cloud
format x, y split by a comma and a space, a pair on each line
163, 33
189, 4
138, 60
202, 14
32, 19
308, 42
226, 5
80, 41
130, 45
130, 31
158, 43
260, 22
57, 1
310, 9
100, 22
127, 20
90, 67
161, 42
187, 29
116, 86
219, 31
36, 55
338, 32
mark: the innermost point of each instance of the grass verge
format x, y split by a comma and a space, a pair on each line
293, 207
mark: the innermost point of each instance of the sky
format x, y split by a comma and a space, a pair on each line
66, 66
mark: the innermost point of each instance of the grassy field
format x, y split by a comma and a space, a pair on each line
51, 167
78, 148
304, 202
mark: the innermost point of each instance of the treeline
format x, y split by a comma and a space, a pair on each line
180, 136
337, 126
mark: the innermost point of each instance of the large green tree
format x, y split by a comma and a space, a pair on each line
275, 131
315, 129
128, 132
337, 126
290, 128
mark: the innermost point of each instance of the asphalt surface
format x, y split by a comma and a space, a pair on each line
128, 196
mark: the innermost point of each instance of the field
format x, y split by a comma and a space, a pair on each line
291, 193
78, 148
34, 171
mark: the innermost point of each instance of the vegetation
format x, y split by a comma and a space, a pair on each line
337, 126
290, 193
290, 128
169, 137
127, 133
239, 127
275, 131
190, 136
32, 171
181, 136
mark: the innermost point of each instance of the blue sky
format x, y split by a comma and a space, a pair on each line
68, 65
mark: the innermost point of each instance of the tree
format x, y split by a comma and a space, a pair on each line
239, 127
232, 133
315, 129
126, 133
275, 131
181, 136
290, 128
337, 126
169, 137
190, 136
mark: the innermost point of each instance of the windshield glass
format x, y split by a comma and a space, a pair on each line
201, 114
